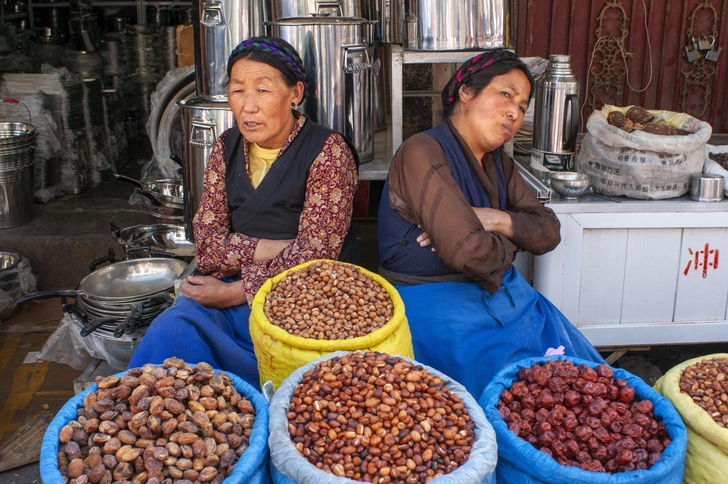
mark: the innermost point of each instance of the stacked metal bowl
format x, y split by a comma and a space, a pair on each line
117, 303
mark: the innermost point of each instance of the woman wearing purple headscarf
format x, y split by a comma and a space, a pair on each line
278, 191
453, 215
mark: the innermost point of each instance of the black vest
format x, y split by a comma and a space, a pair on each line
272, 211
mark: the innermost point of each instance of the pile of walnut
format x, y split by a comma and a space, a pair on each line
157, 425
328, 301
640, 119
583, 417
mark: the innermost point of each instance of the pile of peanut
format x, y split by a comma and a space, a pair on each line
707, 384
328, 301
157, 425
583, 417
373, 417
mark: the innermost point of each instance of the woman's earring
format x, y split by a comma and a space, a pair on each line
293, 104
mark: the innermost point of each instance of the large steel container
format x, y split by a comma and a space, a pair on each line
281, 9
220, 25
335, 52
204, 121
453, 24
556, 119
17, 157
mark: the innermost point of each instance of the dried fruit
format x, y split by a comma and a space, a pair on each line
140, 427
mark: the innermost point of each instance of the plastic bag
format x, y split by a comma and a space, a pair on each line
713, 168
65, 345
251, 468
706, 461
638, 164
289, 466
17, 282
521, 463
279, 352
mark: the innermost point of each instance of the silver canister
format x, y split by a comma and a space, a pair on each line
281, 9
203, 121
335, 53
556, 118
220, 25
705, 187
455, 24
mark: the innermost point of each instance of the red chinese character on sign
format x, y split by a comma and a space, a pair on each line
703, 260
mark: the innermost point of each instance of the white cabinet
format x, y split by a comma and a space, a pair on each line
631, 272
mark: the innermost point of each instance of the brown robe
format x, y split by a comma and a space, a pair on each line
423, 191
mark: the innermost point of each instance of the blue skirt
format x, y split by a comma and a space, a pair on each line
465, 332
188, 330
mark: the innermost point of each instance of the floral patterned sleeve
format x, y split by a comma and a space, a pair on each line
325, 219
220, 252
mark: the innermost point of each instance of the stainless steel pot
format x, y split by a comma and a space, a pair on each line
281, 9
335, 53
455, 24
220, 25
204, 121
168, 191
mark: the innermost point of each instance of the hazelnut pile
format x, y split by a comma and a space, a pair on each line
328, 301
706, 383
373, 417
157, 425
583, 417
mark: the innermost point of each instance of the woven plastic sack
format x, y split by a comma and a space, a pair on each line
251, 468
279, 353
521, 463
706, 461
638, 164
288, 466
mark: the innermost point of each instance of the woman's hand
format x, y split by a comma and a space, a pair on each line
213, 293
494, 220
267, 249
424, 240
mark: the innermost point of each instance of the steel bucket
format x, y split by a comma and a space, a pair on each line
204, 121
219, 25
335, 53
455, 24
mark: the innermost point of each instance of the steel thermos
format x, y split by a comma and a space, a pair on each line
556, 119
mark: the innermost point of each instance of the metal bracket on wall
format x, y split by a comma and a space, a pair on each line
607, 82
699, 75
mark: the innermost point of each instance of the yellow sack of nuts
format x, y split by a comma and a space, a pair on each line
706, 460
279, 352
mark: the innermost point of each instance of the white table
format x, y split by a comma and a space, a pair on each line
635, 273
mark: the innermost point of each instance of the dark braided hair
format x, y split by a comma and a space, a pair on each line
275, 52
476, 73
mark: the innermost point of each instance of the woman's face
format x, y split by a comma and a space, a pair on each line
491, 118
261, 102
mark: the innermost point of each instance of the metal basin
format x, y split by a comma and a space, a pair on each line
8, 261
170, 239
132, 279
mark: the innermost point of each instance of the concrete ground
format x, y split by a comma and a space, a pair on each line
67, 234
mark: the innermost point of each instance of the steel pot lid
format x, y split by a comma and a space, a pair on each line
202, 103
133, 278
9, 260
